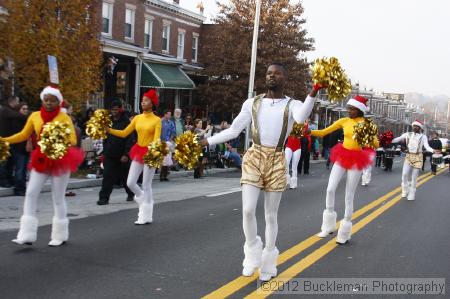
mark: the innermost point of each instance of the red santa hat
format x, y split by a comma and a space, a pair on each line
52, 91
152, 95
418, 123
360, 103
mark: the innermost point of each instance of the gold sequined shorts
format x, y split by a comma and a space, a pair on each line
415, 160
265, 168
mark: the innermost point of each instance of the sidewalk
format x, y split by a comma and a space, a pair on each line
77, 183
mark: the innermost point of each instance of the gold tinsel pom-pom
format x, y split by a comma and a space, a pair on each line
297, 129
97, 124
364, 133
328, 72
157, 150
55, 140
187, 150
4, 150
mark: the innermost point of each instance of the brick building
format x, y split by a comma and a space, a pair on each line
146, 44
155, 44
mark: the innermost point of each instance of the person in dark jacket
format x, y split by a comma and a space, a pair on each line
328, 142
19, 153
435, 144
9, 117
116, 162
306, 144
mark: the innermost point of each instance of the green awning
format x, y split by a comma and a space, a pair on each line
156, 75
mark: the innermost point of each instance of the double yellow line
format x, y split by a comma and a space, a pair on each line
240, 282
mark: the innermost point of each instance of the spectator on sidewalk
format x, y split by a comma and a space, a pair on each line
178, 121
188, 123
232, 155
116, 162
305, 143
168, 132
9, 117
19, 154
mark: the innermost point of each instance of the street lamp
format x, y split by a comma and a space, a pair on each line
251, 83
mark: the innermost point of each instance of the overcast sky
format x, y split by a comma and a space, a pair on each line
389, 45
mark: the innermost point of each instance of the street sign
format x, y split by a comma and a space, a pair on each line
53, 69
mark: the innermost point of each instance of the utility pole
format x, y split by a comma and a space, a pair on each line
251, 83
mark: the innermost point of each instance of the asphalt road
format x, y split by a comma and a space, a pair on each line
194, 246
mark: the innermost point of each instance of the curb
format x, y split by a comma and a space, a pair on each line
85, 183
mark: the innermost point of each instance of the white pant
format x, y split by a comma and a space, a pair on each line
367, 175
408, 170
295, 157
353, 175
136, 169
272, 200
35, 184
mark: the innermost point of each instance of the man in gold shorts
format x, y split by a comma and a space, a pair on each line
272, 116
415, 141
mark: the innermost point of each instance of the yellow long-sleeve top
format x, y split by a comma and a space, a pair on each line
347, 124
148, 128
34, 125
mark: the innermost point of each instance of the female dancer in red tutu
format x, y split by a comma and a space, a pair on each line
148, 128
43, 168
293, 153
348, 158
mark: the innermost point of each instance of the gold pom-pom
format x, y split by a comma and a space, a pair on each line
97, 124
157, 150
364, 133
4, 150
187, 150
328, 72
55, 140
297, 130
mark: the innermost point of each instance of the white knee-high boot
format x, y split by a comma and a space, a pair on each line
268, 264
28, 230
252, 257
344, 232
145, 214
328, 223
412, 193
60, 232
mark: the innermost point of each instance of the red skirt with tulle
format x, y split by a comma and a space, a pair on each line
293, 143
352, 159
68, 163
138, 152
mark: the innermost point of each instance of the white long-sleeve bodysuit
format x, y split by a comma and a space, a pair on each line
270, 119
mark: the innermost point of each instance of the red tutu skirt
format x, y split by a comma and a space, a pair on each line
70, 162
293, 143
352, 159
138, 152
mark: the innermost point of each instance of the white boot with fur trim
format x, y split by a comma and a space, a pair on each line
60, 232
412, 194
139, 199
252, 259
328, 223
405, 190
268, 264
28, 230
345, 232
145, 214
293, 183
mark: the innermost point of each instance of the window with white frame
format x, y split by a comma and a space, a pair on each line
148, 33
180, 48
107, 13
165, 37
129, 23
194, 47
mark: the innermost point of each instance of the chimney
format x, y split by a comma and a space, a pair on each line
177, 2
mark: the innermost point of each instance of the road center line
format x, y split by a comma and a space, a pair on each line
313, 257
